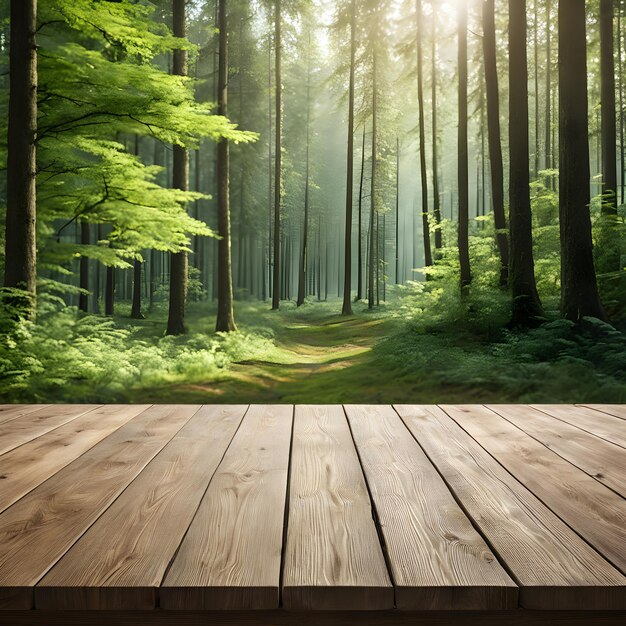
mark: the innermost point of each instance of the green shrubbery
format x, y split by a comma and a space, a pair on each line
73, 358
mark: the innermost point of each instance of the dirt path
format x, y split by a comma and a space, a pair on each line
323, 359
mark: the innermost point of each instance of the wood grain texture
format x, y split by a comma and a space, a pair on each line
617, 410
51, 452
437, 559
10, 412
120, 561
333, 557
593, 511
553, 566
602, 425
28, 427
231, 555
36, 531
313, 618
602, 460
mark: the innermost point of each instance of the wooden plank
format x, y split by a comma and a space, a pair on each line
51, 452
28, 427
37, 530
438, 561
617, 410
601, 459
313, 618
591, 509
231, 555
120, 561
553, 566
600, 424
333, 557
10, 412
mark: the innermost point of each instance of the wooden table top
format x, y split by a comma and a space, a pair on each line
375, 511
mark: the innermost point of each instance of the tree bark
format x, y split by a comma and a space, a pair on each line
305, 226
428, 257
436, 193
536, 82
179, 261
548, 147
347, 281
276, 293
109, 292
136, 313
359, 292
620, 73
579, 291
20, 270
607, 87
526, 307
370, 294
463, 162
609, 259
269, 167
494, 137
83, 298
397, 275
225, 316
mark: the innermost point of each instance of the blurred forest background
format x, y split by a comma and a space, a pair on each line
312, 200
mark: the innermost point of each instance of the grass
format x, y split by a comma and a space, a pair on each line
422, 347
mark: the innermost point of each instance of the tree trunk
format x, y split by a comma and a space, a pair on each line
526, 308
179, 261
609, 259
436, 196
225, 316
536, 82
494, 137
109, 292
370, 294
136, 313
276, 295
305, 225
463, 163
397, 210
269, 166
548, 147
428, 257
620, 73
347, 281
83, 298
359, 293
579, 291
607, 83
20, 269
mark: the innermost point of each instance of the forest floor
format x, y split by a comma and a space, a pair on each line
315, 355
321, 357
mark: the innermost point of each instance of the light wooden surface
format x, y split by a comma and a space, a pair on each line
331, 527
38, 529
601, 459
37, 423
51, 452
617, 410
231, 555
553, 566
603, 425
190, 515
11, 411
139, 533
591, 509
437, 559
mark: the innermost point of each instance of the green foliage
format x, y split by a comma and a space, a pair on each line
67, 357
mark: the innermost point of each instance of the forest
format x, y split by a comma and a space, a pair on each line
312, 201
